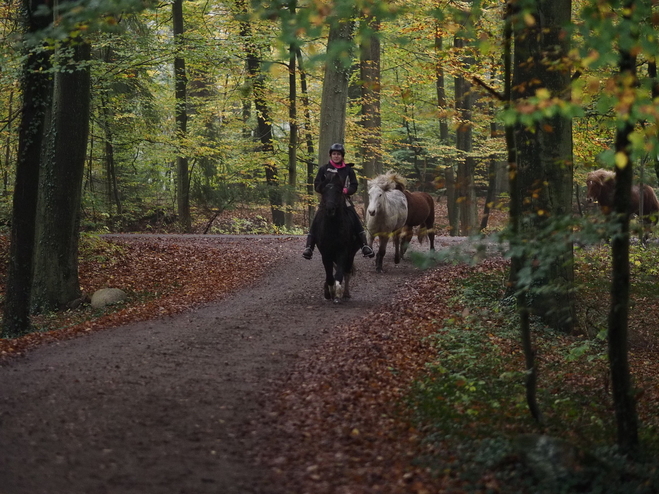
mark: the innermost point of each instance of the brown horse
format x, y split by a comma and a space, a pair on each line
421, 213
601, 185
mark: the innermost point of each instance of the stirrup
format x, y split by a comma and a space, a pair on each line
308, 253
367, 251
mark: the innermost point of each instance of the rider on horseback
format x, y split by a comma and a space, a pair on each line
348, 177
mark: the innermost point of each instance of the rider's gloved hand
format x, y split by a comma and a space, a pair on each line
345, 190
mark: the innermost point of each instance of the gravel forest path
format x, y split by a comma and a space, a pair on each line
170, 405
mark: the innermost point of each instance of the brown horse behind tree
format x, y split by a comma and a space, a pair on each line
421, 213
601, 186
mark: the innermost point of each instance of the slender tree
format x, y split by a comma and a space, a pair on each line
293, 127
257, 87
369, 66
308, 136
442, 107
465, 191
623, 393
181, 114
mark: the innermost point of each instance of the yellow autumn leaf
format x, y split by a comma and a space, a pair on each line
543, 93
621, 160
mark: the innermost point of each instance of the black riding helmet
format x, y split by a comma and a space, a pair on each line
337, 147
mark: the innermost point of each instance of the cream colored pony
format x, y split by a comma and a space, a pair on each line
386, 214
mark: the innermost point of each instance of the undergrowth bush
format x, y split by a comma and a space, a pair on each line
473, 395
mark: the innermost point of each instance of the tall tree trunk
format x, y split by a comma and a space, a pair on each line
36, 85
181, 115
292, 124
652, 73
264, 126
370, 112
515, 212
55, 280
545, 153
106, 118
442, 109
308, 136
623, 393
6, 167
466, 193
334, 98
494, 172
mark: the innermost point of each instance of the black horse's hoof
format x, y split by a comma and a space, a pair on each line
327, 293
368, 252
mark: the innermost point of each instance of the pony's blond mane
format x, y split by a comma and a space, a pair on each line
600, 176
389, 181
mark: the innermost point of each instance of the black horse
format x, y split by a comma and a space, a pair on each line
336, 239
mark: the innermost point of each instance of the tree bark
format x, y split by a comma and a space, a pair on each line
264, 126
334, 98
369, 65
292, 124
55, 280
311, 175
465, 191
442, 109
545, 153
36, 85
181, 116
623, 393
515, 213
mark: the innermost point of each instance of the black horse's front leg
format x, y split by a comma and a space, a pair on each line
328, 289
339, 287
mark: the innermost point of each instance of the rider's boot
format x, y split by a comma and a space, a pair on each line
366, 250
308, 250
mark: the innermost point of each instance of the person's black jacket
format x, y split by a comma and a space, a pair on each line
346, 172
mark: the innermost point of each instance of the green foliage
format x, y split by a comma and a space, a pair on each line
97, 249
470, 404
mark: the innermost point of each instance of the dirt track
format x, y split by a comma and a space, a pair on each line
168, 406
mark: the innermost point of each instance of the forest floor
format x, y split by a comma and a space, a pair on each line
197, 383
227, 372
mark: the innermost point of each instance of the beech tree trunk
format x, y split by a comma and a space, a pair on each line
292, 139
36, 86
307, 136
623, 392
442, 108
334, 98
256, 84
544, 154
517, 261
181, 115
369, 65
55, 281
465, 191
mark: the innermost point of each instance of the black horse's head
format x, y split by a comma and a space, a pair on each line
332, 198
